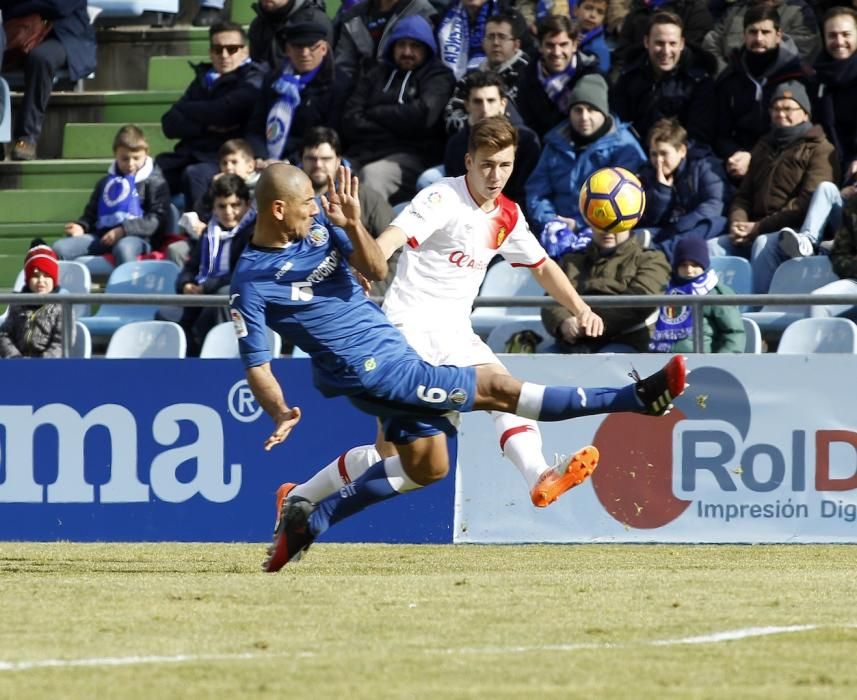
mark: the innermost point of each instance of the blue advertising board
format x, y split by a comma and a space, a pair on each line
171, 450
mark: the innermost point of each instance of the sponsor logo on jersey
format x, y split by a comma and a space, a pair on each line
325, 268
458, 396
238, 322
318, 235
434, 199
370, 364
284, 269
461, 259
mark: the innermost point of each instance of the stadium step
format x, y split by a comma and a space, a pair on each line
172, 72
55, 205
96, 140
122, 107
52, 174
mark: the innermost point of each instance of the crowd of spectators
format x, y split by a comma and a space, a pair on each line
740, 118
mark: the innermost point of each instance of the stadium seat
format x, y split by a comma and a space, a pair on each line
503, 280
221, 342
81, 344
118, 9
752, 337
5, 112
734, 271
147, 339
811, 335
140, 277
83, 140
500, 334
172, 72
794, 276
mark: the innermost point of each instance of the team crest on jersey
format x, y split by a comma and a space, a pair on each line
434, 199
318, 235
501, 235
370, 364
458, 396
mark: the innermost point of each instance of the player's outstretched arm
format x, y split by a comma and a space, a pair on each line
554, 281
269, 394
391, 239
342, 207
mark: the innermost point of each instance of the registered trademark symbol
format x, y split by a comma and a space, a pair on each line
242, 404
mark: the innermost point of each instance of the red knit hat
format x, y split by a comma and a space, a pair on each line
42, 258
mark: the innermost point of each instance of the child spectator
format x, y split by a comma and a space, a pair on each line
234, 157
722, 327
128, 210
590, 15
35, 330
209, 268
686, 188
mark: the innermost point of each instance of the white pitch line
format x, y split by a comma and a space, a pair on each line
713, 638
137, 660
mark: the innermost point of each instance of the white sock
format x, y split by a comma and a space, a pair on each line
530, 400
397, 477
343, 470
521, 443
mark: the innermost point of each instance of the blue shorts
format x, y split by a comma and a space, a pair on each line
413, 400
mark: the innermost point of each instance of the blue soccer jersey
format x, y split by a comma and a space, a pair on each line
307, 293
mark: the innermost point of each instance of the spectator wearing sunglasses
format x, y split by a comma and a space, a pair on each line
215, 108
272, 16
307, 91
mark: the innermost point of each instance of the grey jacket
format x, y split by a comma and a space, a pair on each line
32, 331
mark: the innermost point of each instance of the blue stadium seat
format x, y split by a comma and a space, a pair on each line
5, 112
148, 339
734, 271
795, 276
140, 277
503, 280
81, 344
752, 337
811, 335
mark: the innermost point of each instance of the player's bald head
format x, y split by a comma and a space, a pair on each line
280, 181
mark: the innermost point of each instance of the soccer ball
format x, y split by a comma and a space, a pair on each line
612, 199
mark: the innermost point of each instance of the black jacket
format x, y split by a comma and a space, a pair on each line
321, 104
687, 93
191, 267
742, 102
154, 199
71, 27
395, 111
539, 111
203, 118
834, 99
265, 46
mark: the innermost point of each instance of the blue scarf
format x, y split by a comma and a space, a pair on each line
289, 87
215, 246
676, 322
119, 200
557, 239
555, 84
212, 76
591, 35
461, 49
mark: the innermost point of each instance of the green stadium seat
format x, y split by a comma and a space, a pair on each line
134, 107
172, 72
96, 140
241, 11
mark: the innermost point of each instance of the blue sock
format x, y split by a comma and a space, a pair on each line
372, 487
563, 402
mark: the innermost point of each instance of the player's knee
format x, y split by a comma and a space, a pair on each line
427, 471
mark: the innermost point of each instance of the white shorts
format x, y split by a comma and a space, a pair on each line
459, 347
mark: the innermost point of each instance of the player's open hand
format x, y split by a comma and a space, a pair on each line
342, 204
590, 323
284, 424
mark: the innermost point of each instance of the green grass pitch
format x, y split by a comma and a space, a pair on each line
388, 621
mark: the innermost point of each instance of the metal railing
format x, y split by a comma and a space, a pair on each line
694, 300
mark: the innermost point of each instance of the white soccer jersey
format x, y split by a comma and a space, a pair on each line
450, 243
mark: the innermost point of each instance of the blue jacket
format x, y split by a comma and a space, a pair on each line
554, 186
700, 191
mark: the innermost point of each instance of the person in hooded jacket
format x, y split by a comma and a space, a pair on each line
393, 121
